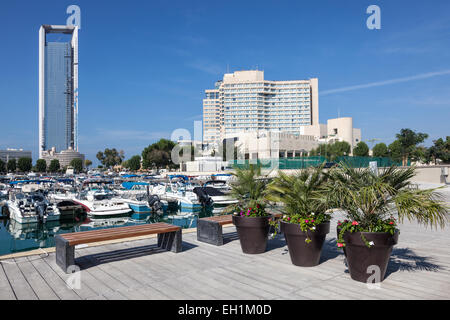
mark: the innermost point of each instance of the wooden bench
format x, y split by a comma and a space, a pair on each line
169, 238
209, 229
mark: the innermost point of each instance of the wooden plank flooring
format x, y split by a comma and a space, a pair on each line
419, 269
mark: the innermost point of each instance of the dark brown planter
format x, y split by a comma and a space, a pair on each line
360, 257
253, 233
304, 254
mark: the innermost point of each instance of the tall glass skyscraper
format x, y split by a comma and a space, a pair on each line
58, 89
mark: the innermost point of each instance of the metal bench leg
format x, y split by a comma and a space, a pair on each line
209, 232
170, 241
65, 254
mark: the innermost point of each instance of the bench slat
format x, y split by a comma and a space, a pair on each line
118, 233
122, 232
111, 237
117, 229
103, 231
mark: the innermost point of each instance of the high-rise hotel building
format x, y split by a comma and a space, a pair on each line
58, 88
243, 101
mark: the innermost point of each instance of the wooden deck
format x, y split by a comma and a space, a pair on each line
419, 269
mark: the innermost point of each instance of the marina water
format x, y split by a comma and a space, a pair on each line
16, 237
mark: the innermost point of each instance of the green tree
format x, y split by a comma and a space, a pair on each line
87, 163
361, 149
380, 150
77, 164
440, 150
158, 158
332, 150
395, 152
340, 148
2, 166
134, 163
191, 149
409, 140
54, 165
158, 154
24, 164
110, 157
420, 154
41, 165
12, 165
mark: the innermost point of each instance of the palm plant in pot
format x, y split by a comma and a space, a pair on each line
371, 202
250, 216
305, 221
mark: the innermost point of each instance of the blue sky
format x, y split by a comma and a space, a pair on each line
144, 65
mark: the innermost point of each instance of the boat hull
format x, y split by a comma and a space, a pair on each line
16, 215
102, 209
140, 208
112, 212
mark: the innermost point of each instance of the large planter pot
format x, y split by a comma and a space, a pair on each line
304, 254
361, 259
253, 233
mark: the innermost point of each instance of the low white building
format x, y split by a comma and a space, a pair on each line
278, 144
338, 129
64, 157
204, 164
271, 144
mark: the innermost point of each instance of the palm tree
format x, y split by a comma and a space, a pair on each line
301, 194
305, 219
370, 198
248, 187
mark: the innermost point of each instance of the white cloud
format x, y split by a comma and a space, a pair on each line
386, 82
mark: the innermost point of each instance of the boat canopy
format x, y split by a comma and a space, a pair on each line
130, 176
130, 184
30, 181
178, 176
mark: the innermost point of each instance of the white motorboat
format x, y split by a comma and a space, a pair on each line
98, 200
181, 193
31, 207
137, 196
